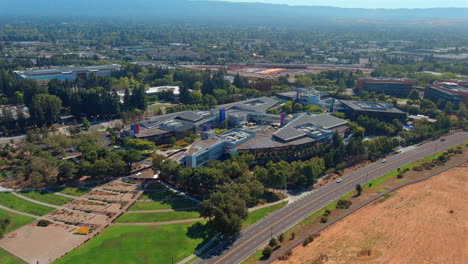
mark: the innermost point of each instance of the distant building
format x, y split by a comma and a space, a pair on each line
155, 90
381, 111
43, 76
454, 91
399, 87
291, 142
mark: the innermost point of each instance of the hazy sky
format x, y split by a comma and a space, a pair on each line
368, 3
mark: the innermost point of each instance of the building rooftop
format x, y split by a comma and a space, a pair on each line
53, 71
371, 106
259, 105
309, 125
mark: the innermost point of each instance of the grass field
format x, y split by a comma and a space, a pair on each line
47, 197
8, 258
260, 213
16, 220
160, 195
13, 202
171, 204
74, 191
141, 244
157, 217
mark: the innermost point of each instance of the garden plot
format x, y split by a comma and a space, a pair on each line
75, 217
91, 206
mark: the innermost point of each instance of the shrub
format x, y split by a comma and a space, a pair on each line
273, 242
267, 252
343, 204
417, 168
452, 211
399, 176
43, 223
324, 219
308, 240
293, 235
281, 238
286, 255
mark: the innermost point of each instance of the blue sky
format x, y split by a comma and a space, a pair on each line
368, 3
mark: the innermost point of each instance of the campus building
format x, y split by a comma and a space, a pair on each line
399, 87
160, 129
43, 76
252, 110
454, 91
174, 90
381, 111
291, 142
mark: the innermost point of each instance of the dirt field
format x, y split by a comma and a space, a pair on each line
413, 225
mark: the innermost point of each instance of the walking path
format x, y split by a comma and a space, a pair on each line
38, 202
162, 210
253, 209
199, 251
19, 212
159, 223
179, 192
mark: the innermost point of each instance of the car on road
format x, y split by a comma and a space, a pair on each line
384, 160
339, 180
442, 139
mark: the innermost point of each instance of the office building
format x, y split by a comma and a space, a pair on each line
454, 91
399, 87
43, 76
381, 111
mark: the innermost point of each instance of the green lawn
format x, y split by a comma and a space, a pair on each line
16, 220
157, 217
13, 202
47, 197
75, 191
260, 213
160, 195
159, 205
8, 258
141, 244
2, 175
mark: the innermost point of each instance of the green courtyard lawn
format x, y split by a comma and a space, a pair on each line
74, 191
8, 258
13, 202
46, 197
160, 195
160, 205
16, 220
141, 244
260, 213
157, 217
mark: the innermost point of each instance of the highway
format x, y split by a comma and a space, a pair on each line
257, 235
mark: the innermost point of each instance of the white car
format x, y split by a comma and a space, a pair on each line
339, 180
384, 160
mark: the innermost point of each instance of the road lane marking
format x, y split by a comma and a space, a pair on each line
321, 196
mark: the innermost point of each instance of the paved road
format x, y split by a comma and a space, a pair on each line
260, 233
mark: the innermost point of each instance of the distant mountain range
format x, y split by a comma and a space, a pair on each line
186, 11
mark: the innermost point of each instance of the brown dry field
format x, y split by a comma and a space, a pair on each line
413, 226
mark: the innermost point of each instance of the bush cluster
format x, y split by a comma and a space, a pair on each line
343, 204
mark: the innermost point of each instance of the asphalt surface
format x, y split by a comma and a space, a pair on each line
238, 249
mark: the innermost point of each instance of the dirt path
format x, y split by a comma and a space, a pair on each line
159, 223
422, 223
37, 202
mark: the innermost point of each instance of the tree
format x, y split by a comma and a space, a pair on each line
462, 111
413, 95
45, 109
358, 189
86, 124
225, 211
293, 235
297, 108
449, 108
